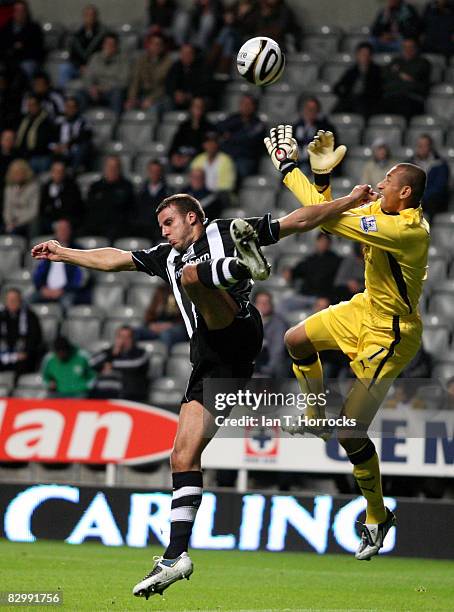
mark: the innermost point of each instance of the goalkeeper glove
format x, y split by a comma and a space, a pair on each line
323, 157
282, 148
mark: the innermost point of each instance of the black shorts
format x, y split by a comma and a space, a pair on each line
224, 353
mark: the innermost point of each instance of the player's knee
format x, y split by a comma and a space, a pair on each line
295, 340
189, 276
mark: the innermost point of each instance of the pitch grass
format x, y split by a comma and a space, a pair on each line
97, 578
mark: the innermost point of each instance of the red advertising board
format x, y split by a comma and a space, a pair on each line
84, 431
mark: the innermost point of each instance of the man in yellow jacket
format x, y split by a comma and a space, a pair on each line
219, 168
380, 329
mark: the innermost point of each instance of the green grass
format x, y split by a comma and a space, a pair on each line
93, 577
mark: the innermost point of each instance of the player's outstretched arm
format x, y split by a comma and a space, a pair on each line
107, 259
307, 218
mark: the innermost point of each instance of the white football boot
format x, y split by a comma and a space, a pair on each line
373, 536
164, 573
248, 248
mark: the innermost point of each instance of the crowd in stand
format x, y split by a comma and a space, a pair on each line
184, 61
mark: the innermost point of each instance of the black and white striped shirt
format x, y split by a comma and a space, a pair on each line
167, 263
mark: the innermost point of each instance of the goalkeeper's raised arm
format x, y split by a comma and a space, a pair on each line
323, 157
107, 259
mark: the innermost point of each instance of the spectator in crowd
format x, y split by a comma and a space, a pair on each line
110, 201
56, 281
51, 100
20, 335
60, 198
315, 274
359, 88
189, 137
161, 14
13, 84
21, 40
375, 169
396, 21
419, 367
242, 136
86, 41
153, 192
106, 75
211, 203
163, 319
147, 83
246, 18
219, 168
205, 23
7, 152
129, 360
310, 121
108, 384
21, 199
273, 359
277, 20
438, 27
406, 82
350, 274
73, 137
187, 77
226, 45
66, 370
436, 194
34, 136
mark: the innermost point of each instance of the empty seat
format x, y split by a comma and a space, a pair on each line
154, 150
323, 92
86, 180
30, 392
257, 200
10, 259
176, 181
20, 275
132, 243
322, 41
441, 303
30, 380
348, 128
441, 236
280, 103
181, 349
167, 383
335, 67
340, 186
136, 129
121, 150
391, 134
102, 122
439, 102
140, 295
444, 371
354, 37
5, 390
446, 218
178, 367
437, 66
129, 37
167, 400
296, 316
107, 296
169, 125
83, 325
437, 272
301, 70
93, 242
383, 59
53, 36
435, 338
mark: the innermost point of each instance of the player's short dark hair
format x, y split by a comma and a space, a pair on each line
185, 203
415, 177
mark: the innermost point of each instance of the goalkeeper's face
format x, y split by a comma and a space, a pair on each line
393, 190
178, 228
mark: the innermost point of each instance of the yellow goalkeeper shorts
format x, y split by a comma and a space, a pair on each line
378, 346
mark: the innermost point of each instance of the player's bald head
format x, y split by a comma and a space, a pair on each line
415, 178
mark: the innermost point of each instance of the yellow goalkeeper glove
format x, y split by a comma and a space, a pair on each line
323, 157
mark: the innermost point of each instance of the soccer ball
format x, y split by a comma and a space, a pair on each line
260, 61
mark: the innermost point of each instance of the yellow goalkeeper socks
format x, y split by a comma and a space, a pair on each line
309, 374
366, 471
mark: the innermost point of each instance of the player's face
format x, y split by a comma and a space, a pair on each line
176, 228
390, 189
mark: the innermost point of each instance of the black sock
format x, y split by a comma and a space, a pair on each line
186, 498
222, 273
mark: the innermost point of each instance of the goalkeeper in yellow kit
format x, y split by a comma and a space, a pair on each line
380, 329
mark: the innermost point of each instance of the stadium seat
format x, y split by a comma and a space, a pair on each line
442, 301
10, 259
443, 219
233, 213
441, 236
106, 296
20, 275
279, 102
443, 370
435, 338
53, 34
296, 316
26, 287
136, 129
175, 182
391, 134
257, 199
450, 138
439, 102
8, 241
383, 59
153, 150
140, 295
30, 380
437, 66
353, 37
167, 400
83, 325
169, 125
449, 75
436, 132
437, 272
50, 325
86, 180
129, 37
132, 244
53, 63
335, 67
325, 96
93, 242
343, 248
180, 349
340, 186
121, 150
167, 383
156, 366
30, 392
348, 128
287, 201
102, 122
179, 367
323, 41
5, 390
121, 315
301, 70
